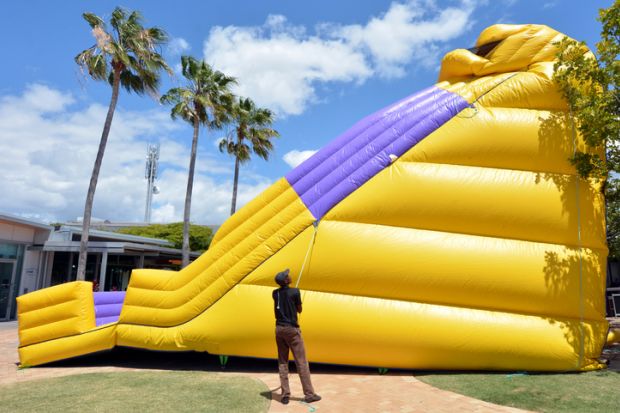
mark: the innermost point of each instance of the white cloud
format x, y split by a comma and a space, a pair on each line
295, 157
38, 99
210, 198
177, 45
280, 64
277, 65
402, 34
48, 149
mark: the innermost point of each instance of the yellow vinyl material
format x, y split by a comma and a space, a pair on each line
478, 248
92, 341
58, 311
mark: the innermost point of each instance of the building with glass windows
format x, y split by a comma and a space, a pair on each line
22, 260
35, 255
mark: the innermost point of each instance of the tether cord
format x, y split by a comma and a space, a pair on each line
303, 265
581, 307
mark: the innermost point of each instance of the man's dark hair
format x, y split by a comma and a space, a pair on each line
281, 277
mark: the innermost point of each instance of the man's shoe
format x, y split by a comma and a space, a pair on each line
314, 398
284, 400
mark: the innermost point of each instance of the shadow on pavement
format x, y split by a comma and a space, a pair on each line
194, 361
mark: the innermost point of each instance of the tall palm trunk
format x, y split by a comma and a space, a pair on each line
235, 183
188, 194
233, 206
90, 196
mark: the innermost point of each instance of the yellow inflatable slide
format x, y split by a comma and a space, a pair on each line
446, 231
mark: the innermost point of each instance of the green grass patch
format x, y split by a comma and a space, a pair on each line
597, 391
137, 392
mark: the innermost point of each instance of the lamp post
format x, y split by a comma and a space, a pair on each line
152, 159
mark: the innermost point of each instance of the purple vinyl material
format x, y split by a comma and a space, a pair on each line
364, 150
108, 306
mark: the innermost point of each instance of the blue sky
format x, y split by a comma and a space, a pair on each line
321, 65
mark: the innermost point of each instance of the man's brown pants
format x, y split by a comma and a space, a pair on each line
289, 338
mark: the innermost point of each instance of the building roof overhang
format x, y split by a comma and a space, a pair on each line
23, 221
113, 248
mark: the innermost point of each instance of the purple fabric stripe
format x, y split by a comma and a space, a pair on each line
392, 131
362, 147
107, 310
314, 161
109, 297
108, 306
105, 320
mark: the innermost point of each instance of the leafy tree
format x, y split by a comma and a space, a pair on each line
125, 56
205, 100
591, 89
199, 236
613, 217
252, 133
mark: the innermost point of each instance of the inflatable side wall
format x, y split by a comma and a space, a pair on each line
446, 231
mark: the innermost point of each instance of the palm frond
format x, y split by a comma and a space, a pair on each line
130, 50
242, 151
93, 20
92, 62
253, 124
119, 15
132, 82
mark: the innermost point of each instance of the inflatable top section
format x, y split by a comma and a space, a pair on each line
504, 48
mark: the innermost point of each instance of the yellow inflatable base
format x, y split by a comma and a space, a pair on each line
99, 339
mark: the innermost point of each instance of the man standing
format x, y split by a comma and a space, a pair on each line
286, 305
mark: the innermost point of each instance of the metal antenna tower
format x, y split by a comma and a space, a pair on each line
152, 159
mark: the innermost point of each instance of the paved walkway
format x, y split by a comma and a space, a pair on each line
343, 389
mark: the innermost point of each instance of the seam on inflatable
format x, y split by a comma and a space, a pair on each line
49, 306
70, 335
489, 167
571, 246
49, 322
438, 304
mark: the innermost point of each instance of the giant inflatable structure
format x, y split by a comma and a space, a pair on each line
446, 231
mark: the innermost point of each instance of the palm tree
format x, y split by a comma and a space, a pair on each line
252, 125
205, 100
126, 56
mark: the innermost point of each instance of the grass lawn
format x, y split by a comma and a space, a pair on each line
597, 391
137, 392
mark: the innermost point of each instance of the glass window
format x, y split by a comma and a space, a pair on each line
8, 251
20, 263
60, 269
